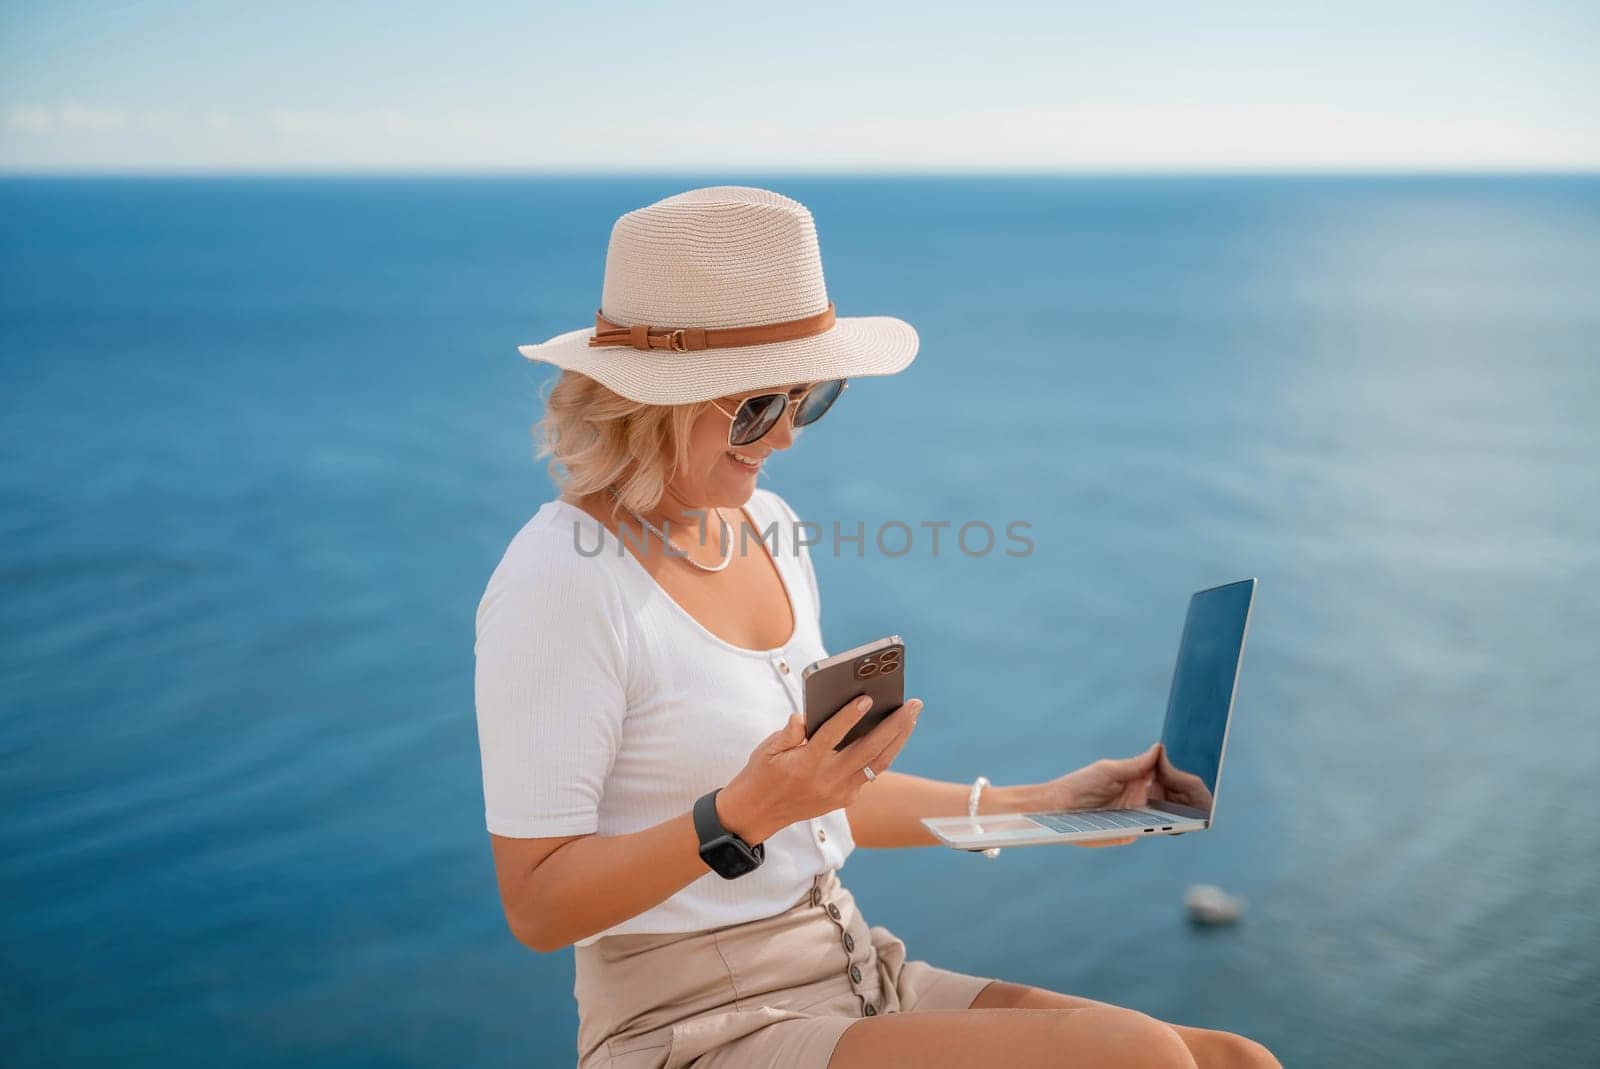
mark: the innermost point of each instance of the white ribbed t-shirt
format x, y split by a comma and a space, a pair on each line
603, 706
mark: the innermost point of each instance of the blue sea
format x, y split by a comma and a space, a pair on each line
263, 441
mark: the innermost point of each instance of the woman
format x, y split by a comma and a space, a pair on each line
651, 796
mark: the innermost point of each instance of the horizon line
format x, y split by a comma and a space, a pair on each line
1107, 171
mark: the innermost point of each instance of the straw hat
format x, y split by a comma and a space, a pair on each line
717, 291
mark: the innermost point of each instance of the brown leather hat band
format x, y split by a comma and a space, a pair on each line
687, 339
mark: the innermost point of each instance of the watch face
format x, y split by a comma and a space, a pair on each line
728, 859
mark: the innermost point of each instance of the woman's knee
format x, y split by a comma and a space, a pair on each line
1228, 1050
1128, 1036
1255, 1055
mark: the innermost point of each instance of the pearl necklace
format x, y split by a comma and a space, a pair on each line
727, 555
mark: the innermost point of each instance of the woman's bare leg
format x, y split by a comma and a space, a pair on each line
1211, 1048
1103, 1036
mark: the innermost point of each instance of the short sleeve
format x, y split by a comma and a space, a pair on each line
802, 550
550, 691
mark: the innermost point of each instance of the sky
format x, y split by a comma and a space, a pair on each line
90, 86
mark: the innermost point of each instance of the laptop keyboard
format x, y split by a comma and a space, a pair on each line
1104, 819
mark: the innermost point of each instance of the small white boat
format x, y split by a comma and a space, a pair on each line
1209, 904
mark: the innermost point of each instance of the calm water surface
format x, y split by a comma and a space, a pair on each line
264, 440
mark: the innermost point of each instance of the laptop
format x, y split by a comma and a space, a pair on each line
1199, 705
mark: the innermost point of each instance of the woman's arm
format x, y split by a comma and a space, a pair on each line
888, 812
558, 890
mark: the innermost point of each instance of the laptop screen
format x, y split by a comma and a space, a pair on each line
1202, 693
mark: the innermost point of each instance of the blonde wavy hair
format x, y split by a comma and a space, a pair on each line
598, 439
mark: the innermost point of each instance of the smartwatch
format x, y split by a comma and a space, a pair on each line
728, 855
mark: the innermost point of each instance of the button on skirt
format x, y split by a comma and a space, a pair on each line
778, 991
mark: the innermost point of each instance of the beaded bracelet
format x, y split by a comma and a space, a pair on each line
972, 809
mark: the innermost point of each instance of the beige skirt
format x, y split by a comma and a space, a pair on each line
778, 991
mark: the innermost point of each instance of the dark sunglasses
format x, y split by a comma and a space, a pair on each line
759, 414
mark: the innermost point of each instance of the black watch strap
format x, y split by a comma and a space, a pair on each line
708, 826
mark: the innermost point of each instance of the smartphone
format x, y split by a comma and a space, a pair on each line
877, 669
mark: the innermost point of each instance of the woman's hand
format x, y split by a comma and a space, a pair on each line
791, 778
1172, 784
1109, 783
